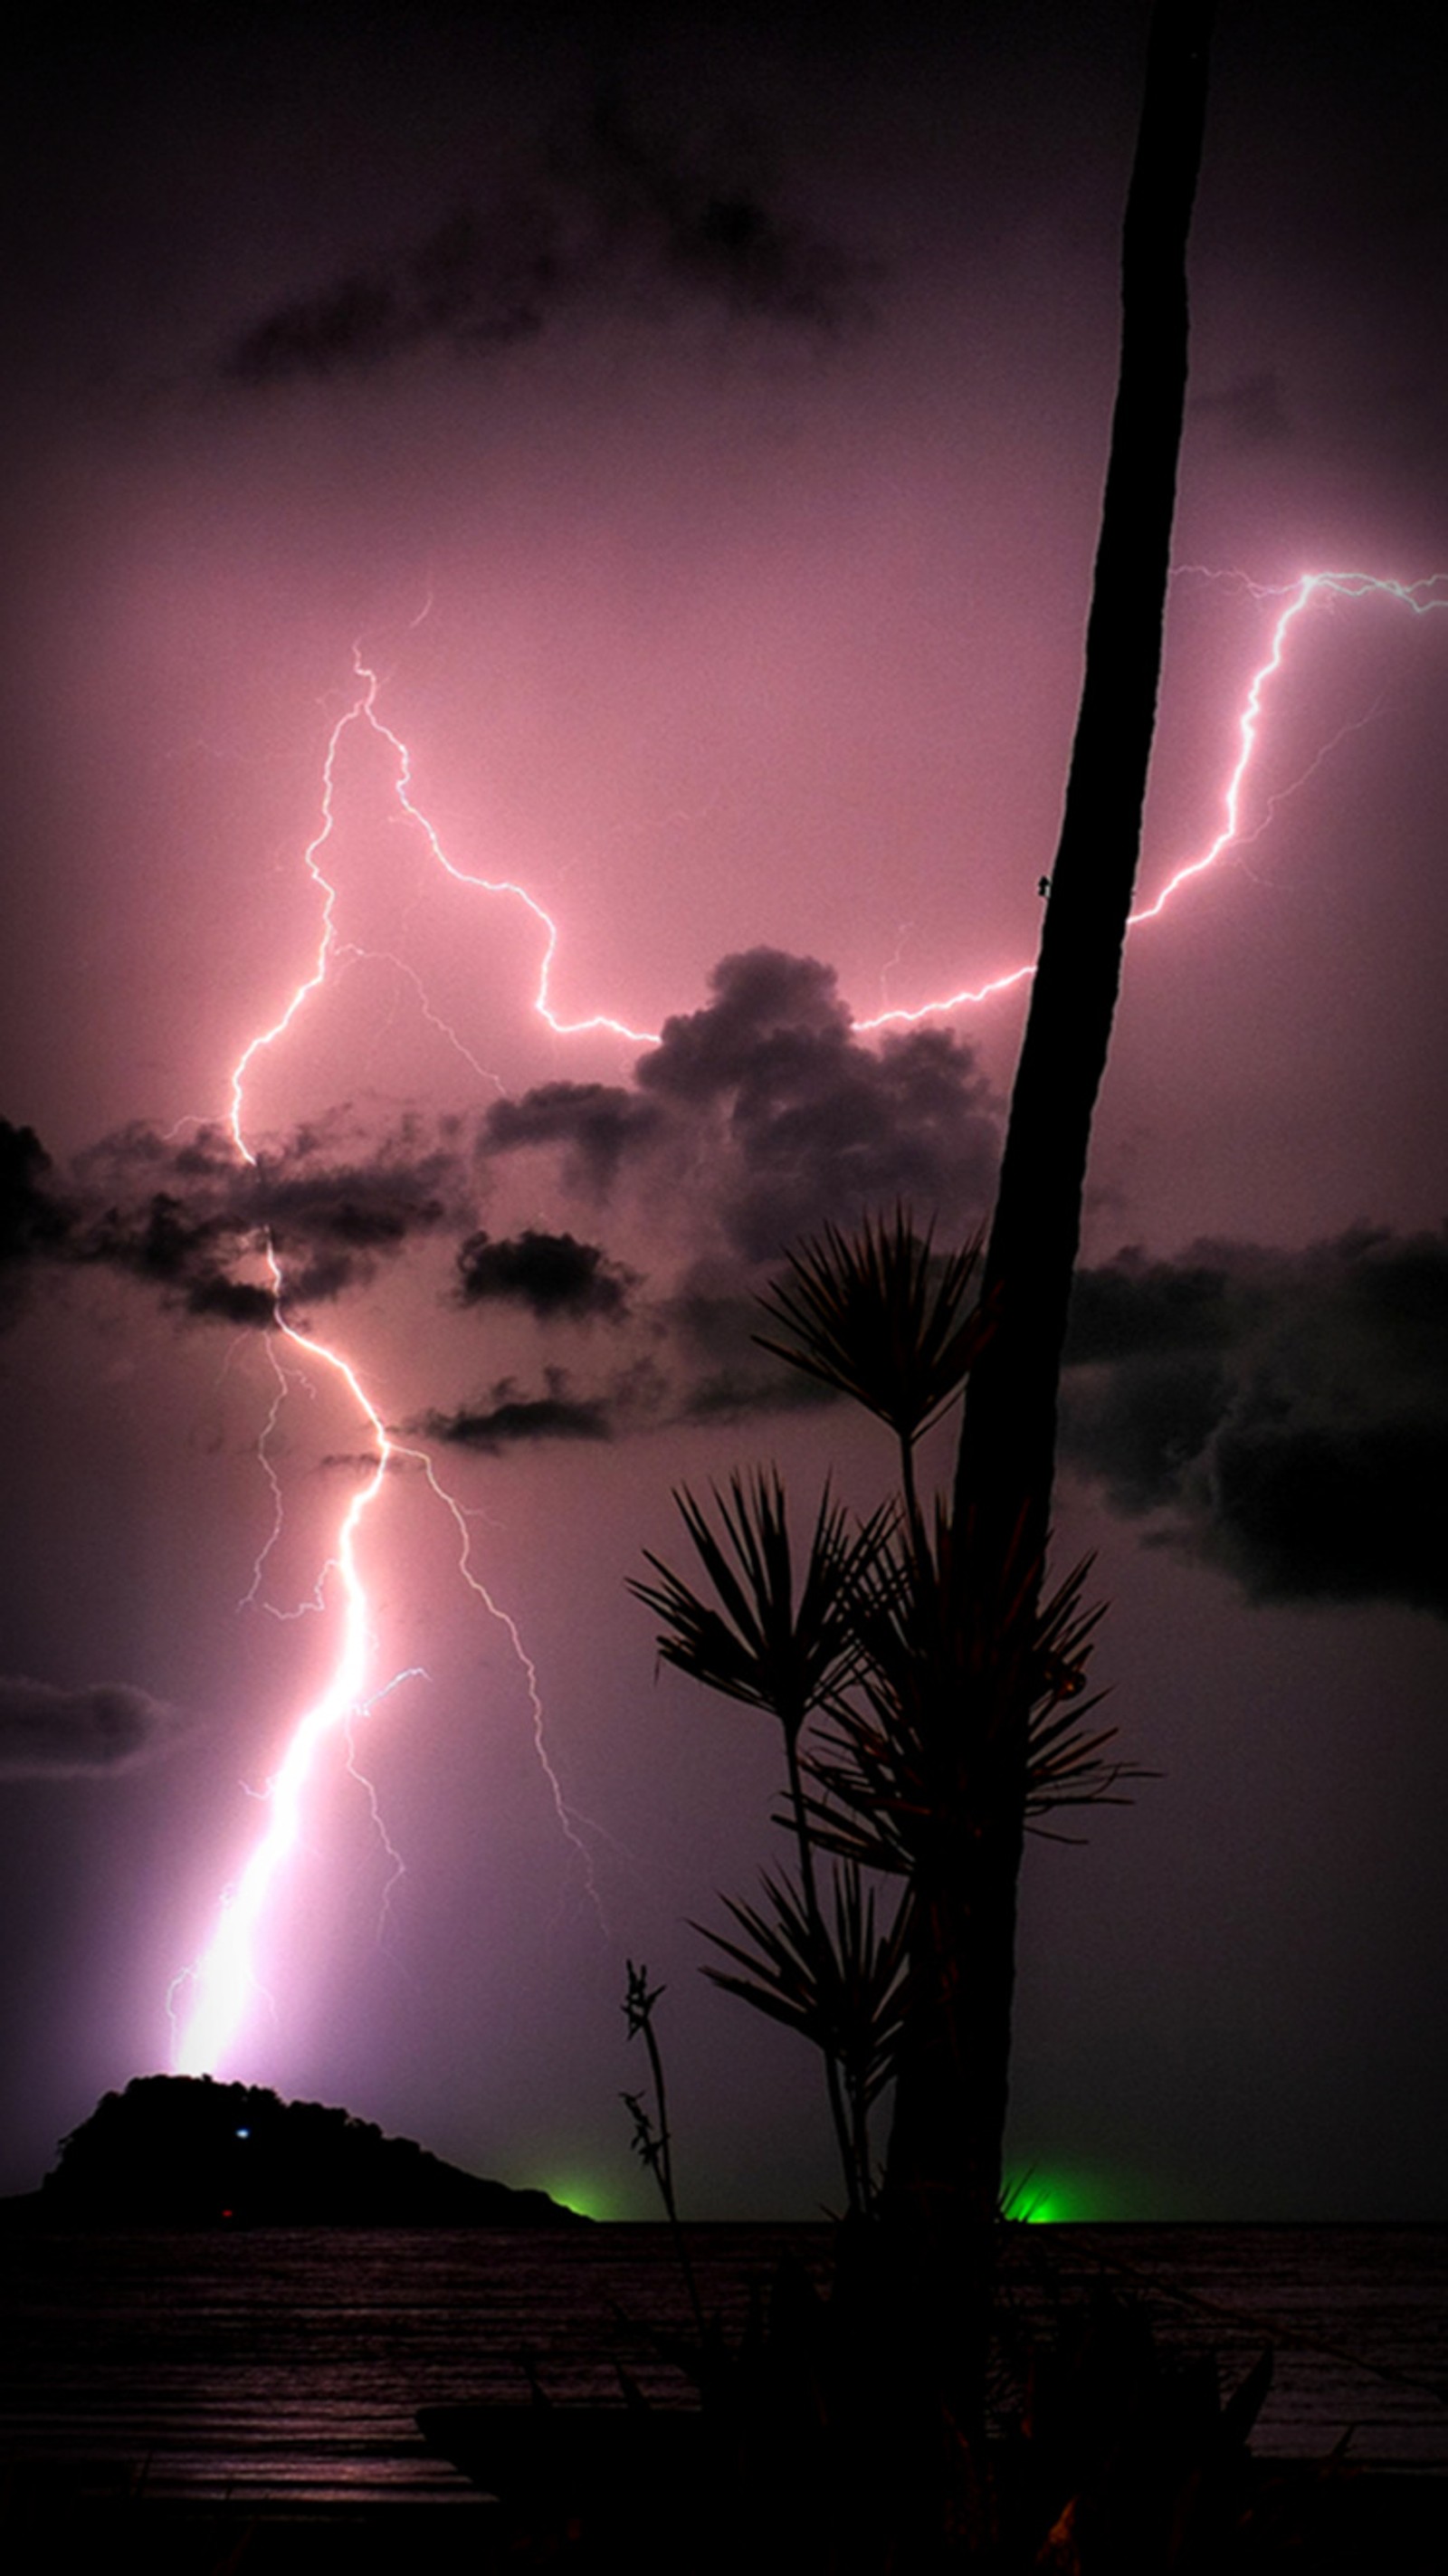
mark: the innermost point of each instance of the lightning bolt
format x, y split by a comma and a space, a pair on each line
363, 711
210, 2000
1421, 597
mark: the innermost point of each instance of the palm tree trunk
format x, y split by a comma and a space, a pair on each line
1007, 1450
944, 2169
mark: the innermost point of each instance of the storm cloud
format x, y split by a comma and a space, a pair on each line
607, 214
1275, 1414
506, 1417
755, 1120
551, 1274
34, 1223
600, 1127
1281, 1415
816, 1124
769, 1113
191, 1218
49, 1733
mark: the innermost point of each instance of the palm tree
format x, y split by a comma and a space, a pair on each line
792, 1649
953, 2062
854, 1648
958, 1712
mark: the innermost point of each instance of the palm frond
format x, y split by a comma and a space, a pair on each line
931, 1738
774, 1643
877, 1316
837, 1979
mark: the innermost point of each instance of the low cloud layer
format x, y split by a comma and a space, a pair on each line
506, 1417
48, 1733
756, 1119
191, 1219
1281, 1415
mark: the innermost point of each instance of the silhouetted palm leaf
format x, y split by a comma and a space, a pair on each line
839, 1980
1064, 1761
878, 1317
932, 1734
777, 1645
941, 1716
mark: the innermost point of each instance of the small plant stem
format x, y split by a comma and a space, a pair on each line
652, 2137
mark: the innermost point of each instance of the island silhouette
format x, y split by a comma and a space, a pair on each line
186, 2151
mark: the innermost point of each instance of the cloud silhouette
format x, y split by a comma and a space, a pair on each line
190, 1218
769, 1112
601, 1127
551, 1274
753, 1122
810, 1123
49, 1733
474, 283
756, 1119
1285, 1413
611, 214
698, 214
35, 1225
504, 1418
1277, 1414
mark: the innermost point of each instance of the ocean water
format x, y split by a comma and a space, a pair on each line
1357, 2318
287, 2365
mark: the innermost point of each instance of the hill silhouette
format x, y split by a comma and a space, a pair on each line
185, 2151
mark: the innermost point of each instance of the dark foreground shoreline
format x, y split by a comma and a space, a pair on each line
1350, 2524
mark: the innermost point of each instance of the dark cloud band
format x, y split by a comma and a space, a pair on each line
609, 214
1286, 1414
48, 1733
553, 1275
506, 1418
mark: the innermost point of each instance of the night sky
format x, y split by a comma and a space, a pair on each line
695, 425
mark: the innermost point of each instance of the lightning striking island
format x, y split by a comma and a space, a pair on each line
211, 2002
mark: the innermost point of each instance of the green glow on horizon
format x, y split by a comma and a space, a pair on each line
1042, 2200
585, 2199
1060, 2195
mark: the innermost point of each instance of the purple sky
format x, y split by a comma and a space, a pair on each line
701, 427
